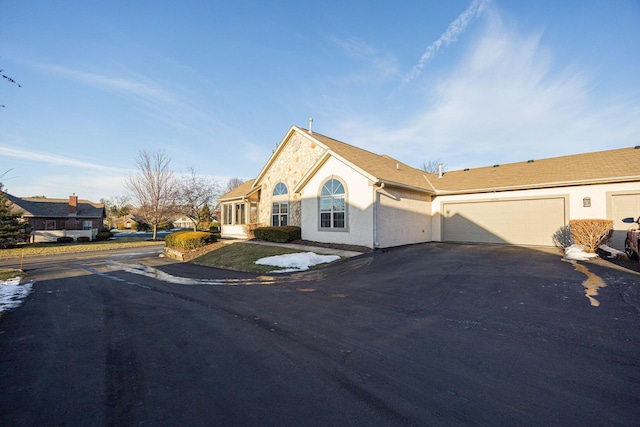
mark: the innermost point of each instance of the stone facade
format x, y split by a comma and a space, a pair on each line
296, 158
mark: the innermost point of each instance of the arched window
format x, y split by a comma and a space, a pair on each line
280, 189
280, 206
333, 206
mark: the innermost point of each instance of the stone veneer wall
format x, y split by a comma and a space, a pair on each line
292, 163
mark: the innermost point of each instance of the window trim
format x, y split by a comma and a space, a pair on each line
240, 213
345, 212
279, 187
279, 214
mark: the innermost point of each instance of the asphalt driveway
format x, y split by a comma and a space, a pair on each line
432, 334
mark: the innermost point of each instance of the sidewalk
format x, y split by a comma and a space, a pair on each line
306, 248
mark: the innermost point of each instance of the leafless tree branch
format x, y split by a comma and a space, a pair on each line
153, 188
194, 193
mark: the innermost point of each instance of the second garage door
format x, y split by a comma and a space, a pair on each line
521, 221
623, 206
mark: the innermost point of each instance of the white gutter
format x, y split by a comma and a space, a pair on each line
535, 186
375, 214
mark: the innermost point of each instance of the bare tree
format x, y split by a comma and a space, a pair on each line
153, 188
233, 183
432, 166
194, 193
9, 79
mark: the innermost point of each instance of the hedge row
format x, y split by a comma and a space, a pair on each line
278, 234
189, 239
69, 239
104, 235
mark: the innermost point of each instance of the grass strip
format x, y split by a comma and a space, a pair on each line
6, 274
33, 249
242, 257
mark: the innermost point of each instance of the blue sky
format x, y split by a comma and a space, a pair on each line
217, 84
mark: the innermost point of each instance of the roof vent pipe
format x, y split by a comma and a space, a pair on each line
440, 170
311, 125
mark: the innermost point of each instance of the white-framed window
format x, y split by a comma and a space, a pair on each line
280, 206
280, 214
240, 214
226, 214
87, 224
50, 224
280, 189
333, 206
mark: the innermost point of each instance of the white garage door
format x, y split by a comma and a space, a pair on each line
522, 222
623, 206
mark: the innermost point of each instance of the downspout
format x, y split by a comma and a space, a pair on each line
375, 215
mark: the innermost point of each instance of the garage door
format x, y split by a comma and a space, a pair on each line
623, 206
522, 221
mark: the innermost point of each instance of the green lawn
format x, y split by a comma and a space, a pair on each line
242, 257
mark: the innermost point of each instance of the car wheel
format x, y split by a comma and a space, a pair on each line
629, 250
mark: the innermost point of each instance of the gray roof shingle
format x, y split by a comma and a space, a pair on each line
54, 208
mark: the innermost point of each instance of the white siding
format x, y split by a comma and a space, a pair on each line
359, 230
402, 217
232, 231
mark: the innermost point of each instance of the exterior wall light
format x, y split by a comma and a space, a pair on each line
586, 202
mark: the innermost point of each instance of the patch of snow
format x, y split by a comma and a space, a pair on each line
12, 293
577, 253
296, 262
614, 252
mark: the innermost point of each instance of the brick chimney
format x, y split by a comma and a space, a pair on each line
73, 204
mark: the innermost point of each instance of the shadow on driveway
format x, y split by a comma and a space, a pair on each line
432, 334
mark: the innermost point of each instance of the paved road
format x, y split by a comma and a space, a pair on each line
429, 334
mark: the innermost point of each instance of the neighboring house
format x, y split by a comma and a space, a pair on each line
183, 222
127, 222
338, 193
48, 219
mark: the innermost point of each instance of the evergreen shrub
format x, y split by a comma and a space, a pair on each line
282, 234
104, 235
188, 240
214, 227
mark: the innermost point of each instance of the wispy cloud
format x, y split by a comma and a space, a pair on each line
93, 186
507, 99
48, 158
136, 86
381, 64
160, 97
453, 31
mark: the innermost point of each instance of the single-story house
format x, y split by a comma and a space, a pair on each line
183, 222
339, 193
127, 222
48, 219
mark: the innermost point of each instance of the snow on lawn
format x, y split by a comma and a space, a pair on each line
612, 251
577, 252
296, 262
12, 293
